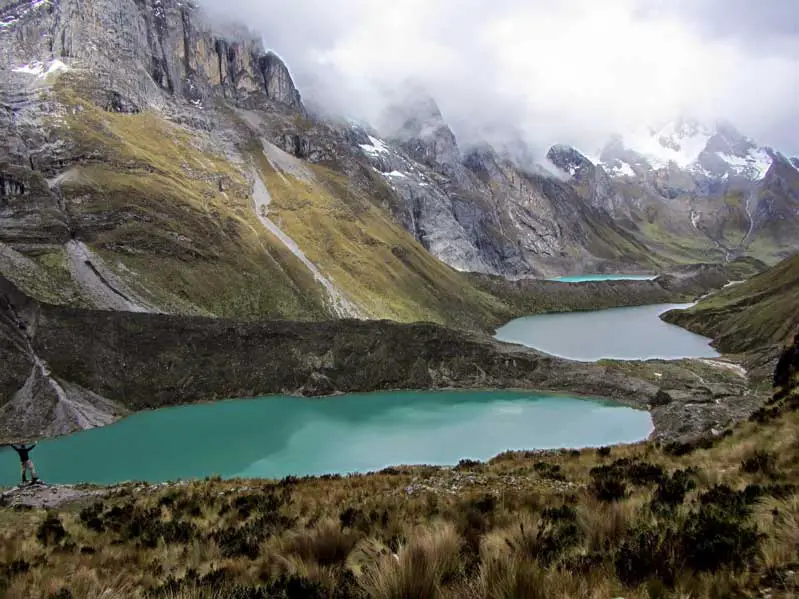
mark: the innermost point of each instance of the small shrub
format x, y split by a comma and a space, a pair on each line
671, 491
262, 503
563, 513
549, 471
238, 542
608, 488
485, 504
765, 415
288, 586
91, 517
635, 472
644, 555
326, 544
760, 462
738, 504
51, 531
467, 464
350, 516
603, 452
712, 539
558, 532
644, 473
779, 491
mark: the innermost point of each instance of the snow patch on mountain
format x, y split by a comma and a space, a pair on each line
754, 165
619, 169
38, 69
377, 146
716, 152
678, 142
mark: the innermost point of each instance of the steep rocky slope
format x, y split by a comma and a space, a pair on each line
762, 311
152, 163
478, 210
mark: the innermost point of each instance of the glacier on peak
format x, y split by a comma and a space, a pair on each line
717, 152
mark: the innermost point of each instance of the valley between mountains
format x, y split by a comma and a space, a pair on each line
179, 225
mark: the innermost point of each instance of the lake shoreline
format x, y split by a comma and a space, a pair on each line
114, 363
274, 437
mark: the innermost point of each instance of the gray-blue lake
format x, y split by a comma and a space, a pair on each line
620, 333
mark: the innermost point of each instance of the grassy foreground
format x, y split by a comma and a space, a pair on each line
640, 521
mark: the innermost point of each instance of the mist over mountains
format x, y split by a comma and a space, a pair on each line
544, 72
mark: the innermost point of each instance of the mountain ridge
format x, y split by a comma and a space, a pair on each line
273, 211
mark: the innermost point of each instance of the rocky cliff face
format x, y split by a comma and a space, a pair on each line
140, 49
481, 211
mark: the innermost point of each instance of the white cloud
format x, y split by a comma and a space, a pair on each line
570, 71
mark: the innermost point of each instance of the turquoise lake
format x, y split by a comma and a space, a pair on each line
635, 333
586, 278
273, 437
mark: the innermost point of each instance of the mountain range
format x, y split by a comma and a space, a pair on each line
155, 162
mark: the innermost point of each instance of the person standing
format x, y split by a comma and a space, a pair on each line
23, 451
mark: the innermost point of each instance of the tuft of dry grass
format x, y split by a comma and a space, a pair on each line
420, 568
326, 543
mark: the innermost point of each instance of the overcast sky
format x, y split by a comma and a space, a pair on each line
558, 71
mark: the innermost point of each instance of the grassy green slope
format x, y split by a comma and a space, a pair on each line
761, 311
179, 217
175, 219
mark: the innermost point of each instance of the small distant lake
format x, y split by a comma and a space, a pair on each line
586, 278
620, 333
273, 437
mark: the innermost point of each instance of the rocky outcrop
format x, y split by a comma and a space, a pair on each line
277, 81
568, 159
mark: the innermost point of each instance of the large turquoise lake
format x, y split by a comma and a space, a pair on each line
621, 333
274, 437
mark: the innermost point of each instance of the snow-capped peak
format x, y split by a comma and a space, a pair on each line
679, 142
715, 152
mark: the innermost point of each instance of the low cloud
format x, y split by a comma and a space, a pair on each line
550, 71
